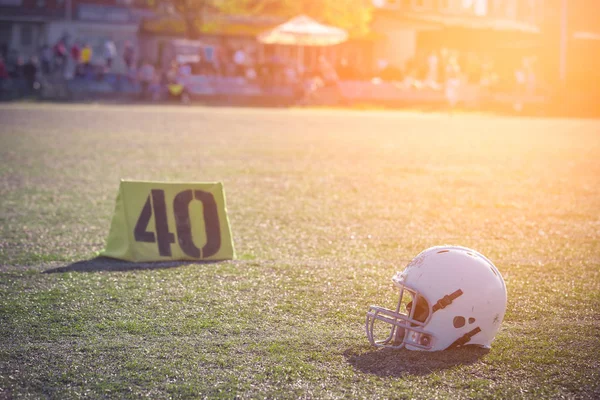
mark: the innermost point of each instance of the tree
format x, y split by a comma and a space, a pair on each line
192, 12
352, 15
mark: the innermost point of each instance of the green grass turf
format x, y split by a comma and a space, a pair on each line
324, 206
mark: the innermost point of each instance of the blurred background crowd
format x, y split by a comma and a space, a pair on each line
470, 52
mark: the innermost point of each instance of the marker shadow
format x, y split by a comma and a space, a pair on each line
111, 264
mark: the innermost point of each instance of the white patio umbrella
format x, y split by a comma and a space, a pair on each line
303, 31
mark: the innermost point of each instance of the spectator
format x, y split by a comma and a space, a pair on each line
156, 84
75, 52
128, 55
60, 54
330, 77
72, 61
239, 59
15, 73
172, 74
530, 76
3, 71
46, 59
521, 84
327, 72
432, 70
30, 70
15, 68
221, 58
185, 69
3, 76
276, 71
4, 82
110, 52
392, 74
291, 74
382, 65
452, 82
174, 82
345, 70
86, 57
146, 76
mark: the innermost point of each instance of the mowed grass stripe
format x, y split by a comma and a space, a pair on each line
325, 206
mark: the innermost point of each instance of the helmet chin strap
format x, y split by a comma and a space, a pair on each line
398, 336
464, 339
446, 300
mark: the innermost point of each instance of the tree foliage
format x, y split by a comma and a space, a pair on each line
352, 15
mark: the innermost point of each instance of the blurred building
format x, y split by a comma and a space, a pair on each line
23, 23
563, 35
571, 40
26, 25
220, 36
474, 25
560, 37
570, 52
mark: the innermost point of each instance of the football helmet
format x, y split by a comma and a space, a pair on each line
450, 296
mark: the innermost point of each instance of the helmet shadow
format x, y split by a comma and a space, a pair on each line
396, 363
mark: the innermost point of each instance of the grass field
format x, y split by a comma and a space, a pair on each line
324, 207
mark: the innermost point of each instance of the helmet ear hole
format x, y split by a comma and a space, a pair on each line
458, 322
421, 310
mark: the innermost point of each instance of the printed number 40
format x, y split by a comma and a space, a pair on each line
183, 224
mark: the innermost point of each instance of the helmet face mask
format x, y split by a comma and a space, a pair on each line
406, 322
449, 296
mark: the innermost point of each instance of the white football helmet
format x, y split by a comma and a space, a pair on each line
450, 296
